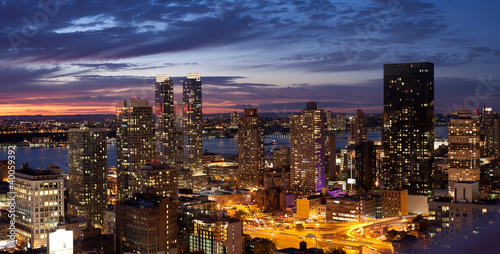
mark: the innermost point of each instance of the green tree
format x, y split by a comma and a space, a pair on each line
269, 247
299, 227
335, 251
391, 235
240, 215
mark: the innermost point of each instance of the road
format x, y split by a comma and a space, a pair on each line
292, 238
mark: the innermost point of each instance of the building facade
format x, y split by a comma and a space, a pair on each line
39, 204
463, 149
192, 123
217, 236
307, 155
353, 208
251, 149
147, 224
453, 220
87, 185
331, 173
394, 203
165, 120
358, 128
134, 143
157, 178
366, 165
408, 126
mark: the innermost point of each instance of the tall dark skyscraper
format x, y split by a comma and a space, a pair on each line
87, 185
331, 172
408, 126
366, 165
192, 123
164, 110
307, 154
134, 143
251, 149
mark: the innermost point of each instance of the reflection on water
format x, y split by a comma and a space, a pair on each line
40, 157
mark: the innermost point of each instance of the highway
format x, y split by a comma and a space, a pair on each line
318, 238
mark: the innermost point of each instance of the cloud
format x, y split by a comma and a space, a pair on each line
249, 51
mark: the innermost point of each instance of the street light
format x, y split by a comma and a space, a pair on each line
317, 226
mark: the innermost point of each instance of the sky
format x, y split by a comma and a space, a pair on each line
83, 57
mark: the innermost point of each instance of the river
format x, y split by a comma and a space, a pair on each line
40, 157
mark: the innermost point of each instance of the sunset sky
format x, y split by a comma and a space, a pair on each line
83, 57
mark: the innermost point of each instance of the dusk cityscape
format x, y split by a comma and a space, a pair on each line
255, 127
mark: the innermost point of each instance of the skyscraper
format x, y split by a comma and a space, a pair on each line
178, 134
408, 126
358, 128
491, 129
251, 149
330, 158
87, 185
164, 112
134, 143
235, 120
307, 155
340, 122
192, 123
329, 121
366, 165
463, 152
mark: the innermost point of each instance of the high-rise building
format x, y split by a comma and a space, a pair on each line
307, 154
347, 164
251, 149
147, 224
217, 236
366, 165
192, 123
164, 112
134, 143
340, 122
330, 158
235, 120
329, 121
159, 179
408, 126
463, 151
87, 185
491, 129
179, 135
39, 204
358, 128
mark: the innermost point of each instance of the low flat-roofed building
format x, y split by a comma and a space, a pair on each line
217, 235
350, 208
307, 208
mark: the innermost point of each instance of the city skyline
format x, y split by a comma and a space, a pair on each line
264, 59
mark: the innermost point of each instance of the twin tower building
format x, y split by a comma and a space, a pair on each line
178, 139
173, 137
